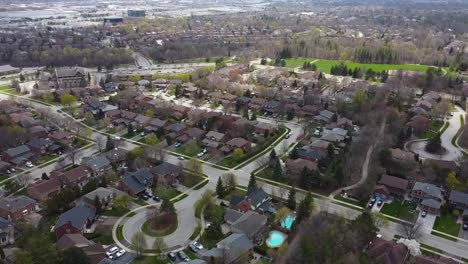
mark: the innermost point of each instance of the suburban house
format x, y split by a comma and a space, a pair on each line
251, 223
175, 130
105, 195
402, 156
63, 137
311, 153
95, 251
7, 232
40, 145
255, 200
155, 124
75, 221
165, 173
136, 182
16, 207
78, 176
193, 133
458, 200
295, 167
262, 128
387, 252
325, 116
213, 140
230, 250
272, 106
391, 186
116, 156
18, 155
98, 165
429, 195
43, 190
236, 143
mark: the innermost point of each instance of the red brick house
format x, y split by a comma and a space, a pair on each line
295, 167
75, 221
393, 185
16, 207
44, 189
387, 252
78, 176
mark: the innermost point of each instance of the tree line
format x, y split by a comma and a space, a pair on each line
343, 70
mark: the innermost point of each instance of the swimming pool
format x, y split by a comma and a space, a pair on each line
275, 239
288, 221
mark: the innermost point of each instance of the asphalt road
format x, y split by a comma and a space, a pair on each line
452, 152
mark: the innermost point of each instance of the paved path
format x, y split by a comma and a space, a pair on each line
452, 152
365, 165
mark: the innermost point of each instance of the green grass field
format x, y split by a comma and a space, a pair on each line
325, 65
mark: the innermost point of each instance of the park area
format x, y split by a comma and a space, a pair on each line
326, 65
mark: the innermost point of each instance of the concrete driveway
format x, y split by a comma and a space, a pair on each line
426, 222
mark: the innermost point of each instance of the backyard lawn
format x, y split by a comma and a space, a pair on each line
404, 210
447, 223
325, 65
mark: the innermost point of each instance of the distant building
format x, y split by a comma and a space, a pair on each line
136, 13
113, 20
8, 69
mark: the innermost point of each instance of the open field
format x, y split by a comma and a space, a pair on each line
325, 65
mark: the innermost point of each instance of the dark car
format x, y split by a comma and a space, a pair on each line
223, 204
183, 256
371, 204
465, 226
144, 197
172, 256
379, 203
424, 213
156, 199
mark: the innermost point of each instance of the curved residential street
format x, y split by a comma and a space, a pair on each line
452, 152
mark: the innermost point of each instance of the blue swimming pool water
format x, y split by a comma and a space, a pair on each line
288, 221
275, 239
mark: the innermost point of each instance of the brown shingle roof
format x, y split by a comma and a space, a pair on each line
387, 252
394, 182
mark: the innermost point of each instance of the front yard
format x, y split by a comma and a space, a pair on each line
405, 210
447, 223
102, 235
190, 150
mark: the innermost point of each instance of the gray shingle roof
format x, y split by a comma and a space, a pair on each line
77, 216
15, 203
98, 162
13, 152
250, 223
458, 197
429, 189
431, 203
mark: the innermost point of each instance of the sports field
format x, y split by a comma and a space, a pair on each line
325, 65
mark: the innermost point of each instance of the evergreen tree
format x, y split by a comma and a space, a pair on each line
44, 176
252, 182
109, 143
130, 131
167, 206
294, 154
305, 208
291, 203
220, 188
273, 155
277, 170
434, 144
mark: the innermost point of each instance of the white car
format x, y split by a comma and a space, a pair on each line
120, 253
197, 245
112, 251
29, 164
200, 154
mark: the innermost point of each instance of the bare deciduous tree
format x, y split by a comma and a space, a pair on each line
411, 231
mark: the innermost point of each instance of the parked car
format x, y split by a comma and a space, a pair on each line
177, 145
200, 154
424, 213
156, 198
193, 248
181, 158
29, 164
112, 251
183, 256
379, 203
120, 253
12, 170
223, 204
197, 245
172, 256
465, 226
